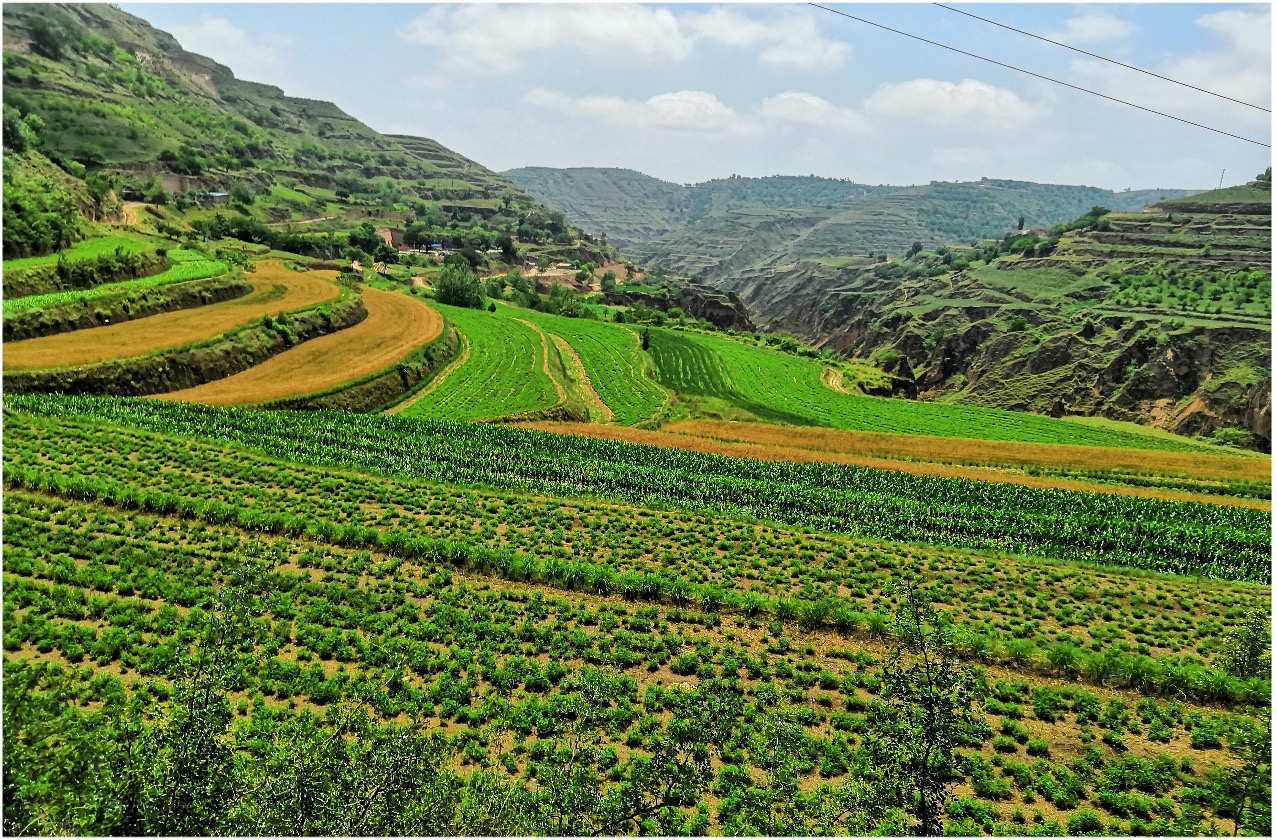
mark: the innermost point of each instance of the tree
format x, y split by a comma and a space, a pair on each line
1247, 646
646, 337
457, 285
927, 710
1019, 225
608, 281
365, 238
241, 195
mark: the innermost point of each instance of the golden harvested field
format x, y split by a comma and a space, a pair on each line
276, 290
396, 325
941, 457
983, 452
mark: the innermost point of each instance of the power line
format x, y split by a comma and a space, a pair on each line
1109, 60
1040, 76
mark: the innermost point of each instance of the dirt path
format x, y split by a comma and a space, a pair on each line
583, 386
832, 377
545, 361
451, 368
130, 212
396, 325
275, 290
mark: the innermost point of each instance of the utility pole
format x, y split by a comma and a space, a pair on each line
1221, 178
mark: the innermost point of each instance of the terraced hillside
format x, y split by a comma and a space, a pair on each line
1160, 316
428, 589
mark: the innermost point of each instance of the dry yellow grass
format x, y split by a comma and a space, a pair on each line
275, 290
1008, 473
396, 325
983, 452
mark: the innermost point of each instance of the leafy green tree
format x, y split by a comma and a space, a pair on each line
608, 281
365, 238
457, 285
241, 195
1247, 647
927, 711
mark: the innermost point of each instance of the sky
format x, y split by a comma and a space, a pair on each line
687, 92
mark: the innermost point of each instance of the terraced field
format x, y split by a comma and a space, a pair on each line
396, 325
504, 589
85, 250
276, 290
506, 372
781, 388
615, 363
195, 267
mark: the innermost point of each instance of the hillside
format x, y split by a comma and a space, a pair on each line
133, 116
1160, 317
712, 229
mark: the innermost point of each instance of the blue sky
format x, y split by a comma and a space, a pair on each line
692, 92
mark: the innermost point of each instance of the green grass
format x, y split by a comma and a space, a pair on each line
504, 375
787, 389
88, 249
182, 270
613, 360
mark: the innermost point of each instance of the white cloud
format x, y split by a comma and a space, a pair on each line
492, 39
791, 39
1093, 28
1240, 68
684, 110
796, 108
969, 105
262, 57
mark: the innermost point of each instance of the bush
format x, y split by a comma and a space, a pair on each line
458, 286
1085, 822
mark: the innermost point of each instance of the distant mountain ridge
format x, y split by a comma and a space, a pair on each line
716, 228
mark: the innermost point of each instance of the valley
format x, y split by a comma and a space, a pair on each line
354, 488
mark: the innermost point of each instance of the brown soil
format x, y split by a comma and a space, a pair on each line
129, 212
396, 325
684, 436
275, 290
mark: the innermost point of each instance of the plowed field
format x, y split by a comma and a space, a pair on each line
275, 290
395, 326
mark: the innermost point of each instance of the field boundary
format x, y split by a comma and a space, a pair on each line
178, 368
387, 387
127, 306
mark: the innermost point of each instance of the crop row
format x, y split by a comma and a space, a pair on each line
505, 373
784, 388
178, 272
511, 673
614, 362
158, 475
1175, 537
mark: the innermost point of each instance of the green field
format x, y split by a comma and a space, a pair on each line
505, 373
781, 388
614, 361
85, 250
189, 266
493, 614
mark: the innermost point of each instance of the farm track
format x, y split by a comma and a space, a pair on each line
584, 387
670, 438
275, 290
545, 361
396, 325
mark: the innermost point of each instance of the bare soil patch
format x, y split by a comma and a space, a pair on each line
275, 290
396, 325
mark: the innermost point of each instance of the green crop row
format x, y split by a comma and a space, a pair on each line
1231, 543
783, 388
505, 373
613, 360
182, 270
